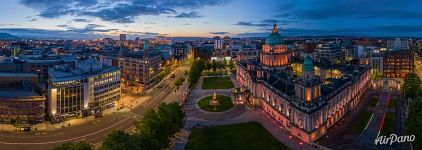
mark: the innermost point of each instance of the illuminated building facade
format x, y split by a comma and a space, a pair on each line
20, 99
274, 53
140, 67
307, 105
88, 88
397, 64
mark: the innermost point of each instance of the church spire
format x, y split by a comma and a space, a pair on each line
275, 28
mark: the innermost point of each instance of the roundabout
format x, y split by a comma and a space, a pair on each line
215, 103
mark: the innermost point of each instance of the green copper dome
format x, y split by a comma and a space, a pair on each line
146, 46
308, 66
274, 38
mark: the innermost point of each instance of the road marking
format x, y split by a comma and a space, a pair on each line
60, 141
147, 103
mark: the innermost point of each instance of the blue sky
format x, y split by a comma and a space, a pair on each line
207, 18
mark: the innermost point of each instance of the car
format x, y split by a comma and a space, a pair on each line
172, 75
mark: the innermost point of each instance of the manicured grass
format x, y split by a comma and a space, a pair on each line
214, 73
392, 103
373, 101
360, 124
244, 136
217, 83
225, 103
389, 124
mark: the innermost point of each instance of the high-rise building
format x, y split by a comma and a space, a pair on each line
88, 88
122, 37
376, 61
397, 44
218, 43
329, 52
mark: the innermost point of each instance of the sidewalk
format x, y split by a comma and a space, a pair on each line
48, 126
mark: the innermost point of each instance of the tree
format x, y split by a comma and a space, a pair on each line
179, 82
207, 65
195, 73
83, 145
414, 122
220, 65
231, 65
376, 76
224, 63
214, 65
412, 85
120, 140
154, 130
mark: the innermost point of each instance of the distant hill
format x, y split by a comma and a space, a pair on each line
7, 36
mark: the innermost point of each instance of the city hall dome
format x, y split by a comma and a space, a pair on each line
274, 38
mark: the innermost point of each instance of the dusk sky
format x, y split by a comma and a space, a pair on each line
207, 18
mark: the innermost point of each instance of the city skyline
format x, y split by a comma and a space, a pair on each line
208, 18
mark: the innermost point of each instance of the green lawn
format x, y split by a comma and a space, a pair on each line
225, 103
244, 136
360, 124
389, 124
214, 73
392, 103
217, 83
373, 101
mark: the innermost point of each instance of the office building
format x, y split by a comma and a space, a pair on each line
141, 67
180, 50
88, 88
329, 53
398, 44
122, 37
397, 64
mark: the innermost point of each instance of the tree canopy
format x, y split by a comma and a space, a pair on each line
154, 130
412, 85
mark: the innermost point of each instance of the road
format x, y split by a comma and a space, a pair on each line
372, 130
93, 132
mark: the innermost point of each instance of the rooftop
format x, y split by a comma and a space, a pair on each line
82, 70
22, 90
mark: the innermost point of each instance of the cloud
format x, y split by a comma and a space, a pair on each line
81, 20
7, 24
188, 15
88, 32
119, 11
417, 28
219, 33
33, 19
306, 32
252, 24
57, 8
266, 23
43, 33
360, 9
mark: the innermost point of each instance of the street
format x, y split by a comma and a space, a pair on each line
95, 131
